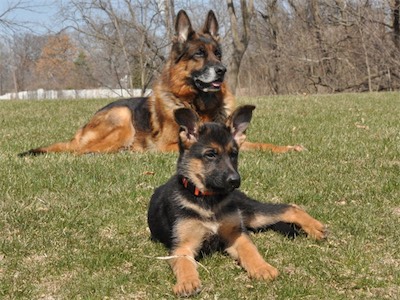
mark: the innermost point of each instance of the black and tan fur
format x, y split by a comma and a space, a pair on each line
200, 209
193, 77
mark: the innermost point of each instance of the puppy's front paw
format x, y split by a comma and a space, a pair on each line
264, 272
187, 287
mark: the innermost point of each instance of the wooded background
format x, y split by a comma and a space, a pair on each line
270, 46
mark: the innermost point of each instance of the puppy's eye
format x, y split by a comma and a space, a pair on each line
234, 154
210, 154
218, 53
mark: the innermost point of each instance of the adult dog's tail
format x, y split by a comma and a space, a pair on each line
58, 147
108, 131
270, 147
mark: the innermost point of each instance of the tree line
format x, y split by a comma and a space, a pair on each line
270, 46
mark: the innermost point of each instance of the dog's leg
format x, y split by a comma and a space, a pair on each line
108, 131
259, 215
270, 147
185, 269
241, 248
314, 228
171, 147
190, 235
250, 259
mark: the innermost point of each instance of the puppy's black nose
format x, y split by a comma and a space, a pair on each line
220, 70
234, 180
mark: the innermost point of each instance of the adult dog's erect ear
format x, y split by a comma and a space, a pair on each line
211, 25
188, 120
183, 27
238, 122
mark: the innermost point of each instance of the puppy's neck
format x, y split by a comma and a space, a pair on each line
187, 184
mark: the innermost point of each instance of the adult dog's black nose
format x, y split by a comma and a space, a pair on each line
234, 180
220, 70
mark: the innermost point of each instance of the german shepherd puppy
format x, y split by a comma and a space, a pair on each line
200, 210
193, 77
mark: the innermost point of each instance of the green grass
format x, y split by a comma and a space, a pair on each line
74, 227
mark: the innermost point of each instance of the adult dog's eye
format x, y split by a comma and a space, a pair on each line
218, 53
200, 53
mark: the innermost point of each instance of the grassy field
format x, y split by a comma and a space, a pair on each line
75, 227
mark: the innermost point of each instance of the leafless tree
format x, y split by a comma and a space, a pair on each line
395, 7
324, 46
270, 46
25, 49
240, 37
8, 21
128, 35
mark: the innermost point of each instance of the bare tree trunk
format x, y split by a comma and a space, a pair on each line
360, 27
15, 80
240, 41
389, 79
396, 23
366, 58
121, 40
315, 23
142, 69
169, 17
270, 18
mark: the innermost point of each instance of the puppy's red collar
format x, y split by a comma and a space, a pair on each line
195, 191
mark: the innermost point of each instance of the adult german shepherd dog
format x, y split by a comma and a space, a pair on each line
193, 77
200, 210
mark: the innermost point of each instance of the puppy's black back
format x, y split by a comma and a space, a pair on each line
162, 213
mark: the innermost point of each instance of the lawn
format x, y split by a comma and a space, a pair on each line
74, 227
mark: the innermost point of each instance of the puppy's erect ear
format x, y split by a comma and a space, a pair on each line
183, 27
238, 122
188, 120
211, 25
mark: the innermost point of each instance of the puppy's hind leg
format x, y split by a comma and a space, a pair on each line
314, 228
259, 215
